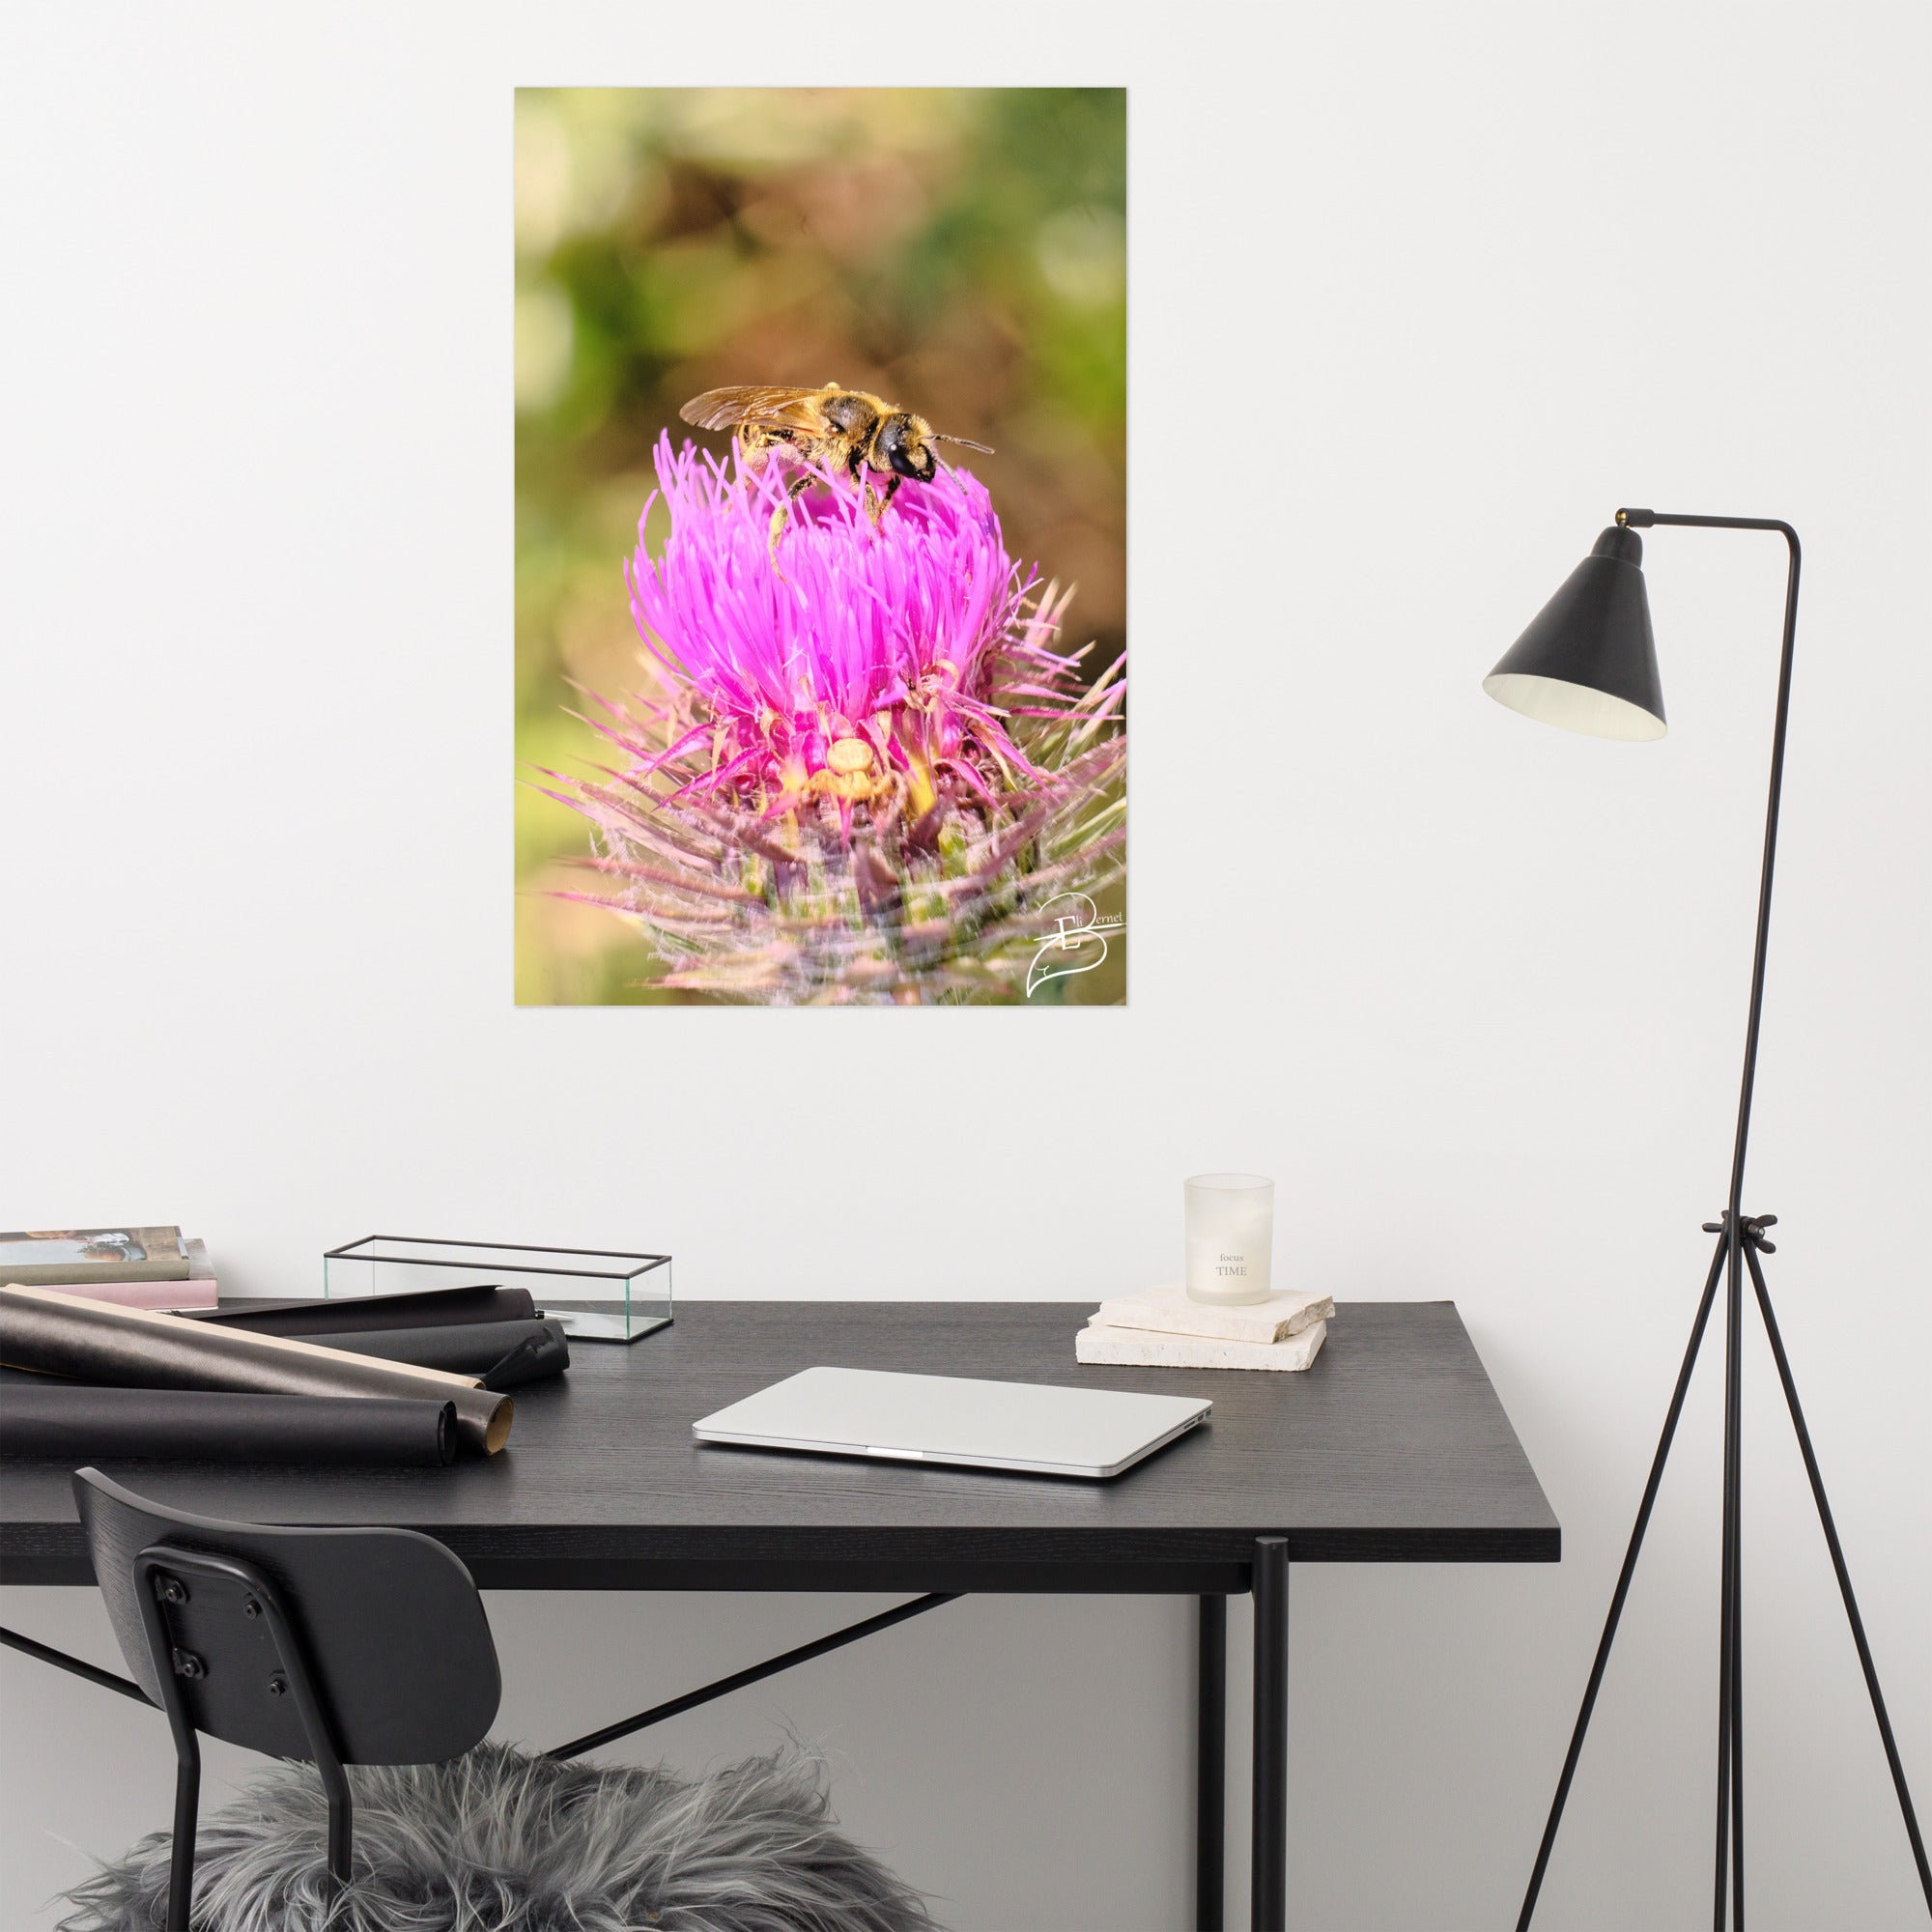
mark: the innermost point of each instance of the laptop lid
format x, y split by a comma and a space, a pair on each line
1042, 1429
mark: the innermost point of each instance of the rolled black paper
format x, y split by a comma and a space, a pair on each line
466, 1348
71, 1424
525, 1363
137, 1348
363, 1313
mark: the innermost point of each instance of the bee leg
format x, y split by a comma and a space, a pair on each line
754, 448
783, 514
876, 499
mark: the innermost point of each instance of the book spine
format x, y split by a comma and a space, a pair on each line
204, 1292
64, 1274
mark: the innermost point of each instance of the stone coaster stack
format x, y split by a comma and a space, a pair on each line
1162, 1329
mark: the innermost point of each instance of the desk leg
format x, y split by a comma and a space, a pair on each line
1211, 1767
1269, 1893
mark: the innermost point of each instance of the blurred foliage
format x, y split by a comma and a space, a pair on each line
960, 251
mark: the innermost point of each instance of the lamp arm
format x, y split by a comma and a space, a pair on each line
1643, 520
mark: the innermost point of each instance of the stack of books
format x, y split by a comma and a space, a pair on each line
131, 1267
1162, 1329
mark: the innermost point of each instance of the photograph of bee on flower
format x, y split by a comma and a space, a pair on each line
821, 527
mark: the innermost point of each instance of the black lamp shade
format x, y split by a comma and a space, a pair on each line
1588, 662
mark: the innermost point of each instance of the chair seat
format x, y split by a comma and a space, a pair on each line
498, 1841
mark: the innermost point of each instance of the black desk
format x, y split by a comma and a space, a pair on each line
1391, 1448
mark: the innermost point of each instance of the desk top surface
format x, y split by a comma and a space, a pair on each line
1392, 1446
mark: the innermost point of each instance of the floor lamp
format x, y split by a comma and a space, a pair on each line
1588, 663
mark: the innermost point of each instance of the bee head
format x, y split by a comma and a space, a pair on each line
903, 444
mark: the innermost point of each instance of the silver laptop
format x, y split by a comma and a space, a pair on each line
1045, 1432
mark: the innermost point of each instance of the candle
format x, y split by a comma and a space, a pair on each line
1229, 1236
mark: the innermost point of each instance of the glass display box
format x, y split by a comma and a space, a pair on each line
598, 1296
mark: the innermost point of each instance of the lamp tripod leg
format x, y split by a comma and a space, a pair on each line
1730, 1860
1622, 1590
1844, 1575
1737, 1459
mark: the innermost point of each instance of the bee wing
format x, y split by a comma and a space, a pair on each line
763, 404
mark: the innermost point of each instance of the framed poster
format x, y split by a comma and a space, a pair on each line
821, 613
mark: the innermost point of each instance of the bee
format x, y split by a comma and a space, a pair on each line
833, 429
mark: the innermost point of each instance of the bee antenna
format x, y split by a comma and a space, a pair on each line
964, 443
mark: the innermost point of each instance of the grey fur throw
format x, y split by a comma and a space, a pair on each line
496, 1842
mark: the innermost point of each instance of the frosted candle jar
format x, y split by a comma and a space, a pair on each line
1230, 1237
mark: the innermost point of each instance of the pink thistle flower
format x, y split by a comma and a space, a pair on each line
870, 766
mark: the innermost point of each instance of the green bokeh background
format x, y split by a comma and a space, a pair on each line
959, 252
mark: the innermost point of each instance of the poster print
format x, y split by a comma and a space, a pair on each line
821, 616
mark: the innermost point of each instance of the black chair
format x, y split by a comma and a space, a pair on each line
330, 1646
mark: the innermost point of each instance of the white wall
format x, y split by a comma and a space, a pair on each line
1421, 295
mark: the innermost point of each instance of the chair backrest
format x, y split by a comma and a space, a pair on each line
391, 1632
